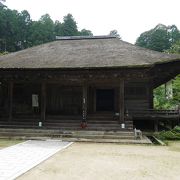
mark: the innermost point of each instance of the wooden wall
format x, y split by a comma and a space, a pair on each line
3, 99
67, 99
22, 98
137, 95
64, 100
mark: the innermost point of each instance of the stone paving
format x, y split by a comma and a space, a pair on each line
17, 159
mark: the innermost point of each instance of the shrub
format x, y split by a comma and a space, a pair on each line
173, 134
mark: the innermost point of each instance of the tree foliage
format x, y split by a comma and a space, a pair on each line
18, 31
160, 38
175, 48
69, 26
42, 31
85, 32
114, 33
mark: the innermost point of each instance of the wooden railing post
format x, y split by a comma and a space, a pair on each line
121, 101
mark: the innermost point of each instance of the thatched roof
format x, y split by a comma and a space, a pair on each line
76, 53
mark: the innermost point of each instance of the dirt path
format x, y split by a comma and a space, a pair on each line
88, 161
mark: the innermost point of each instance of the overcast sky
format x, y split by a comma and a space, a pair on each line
129, 17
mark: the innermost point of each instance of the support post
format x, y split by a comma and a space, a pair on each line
43, 102
10, 99
121, 101
84, 103
156, 122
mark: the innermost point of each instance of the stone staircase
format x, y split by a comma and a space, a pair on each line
107, 122
100, 128
74, 136
95, 122
82, 135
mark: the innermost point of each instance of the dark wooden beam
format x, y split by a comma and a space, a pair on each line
10, 100
121, 101
84, 102
43, 102
50, 75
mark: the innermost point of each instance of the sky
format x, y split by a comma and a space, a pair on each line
129, 17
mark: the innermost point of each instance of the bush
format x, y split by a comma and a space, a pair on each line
177, 129
3, 53
173, 134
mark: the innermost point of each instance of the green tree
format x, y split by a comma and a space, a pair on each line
160, 99
85, 32
160, 38
114, 33
69, 26
24, 23
175, 48
42, 31
14, 29
9, 29
58, 28
18, 31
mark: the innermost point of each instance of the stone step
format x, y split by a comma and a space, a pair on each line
68, 124
90, 135
102, 122
101, 118
63, 117
7, 134
69, 127
82, 131
145, 140
18, 126
101, 128
121, 141
79, 123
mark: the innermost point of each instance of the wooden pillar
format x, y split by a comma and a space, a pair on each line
121, 101
156, 125
10, 100
43, 102
84, 102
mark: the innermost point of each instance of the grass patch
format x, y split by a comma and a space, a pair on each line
8, 142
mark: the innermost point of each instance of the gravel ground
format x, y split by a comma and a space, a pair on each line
91, 161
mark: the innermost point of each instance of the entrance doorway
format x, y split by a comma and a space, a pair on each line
105, 100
